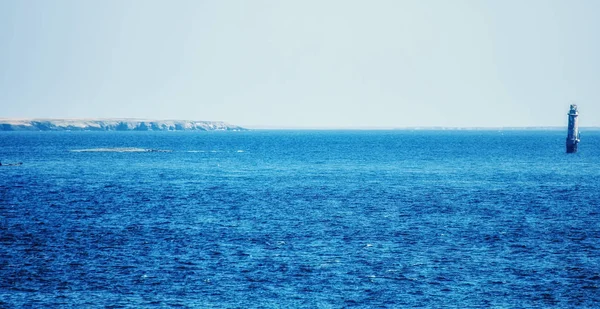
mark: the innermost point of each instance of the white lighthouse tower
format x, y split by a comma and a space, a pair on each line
573, 134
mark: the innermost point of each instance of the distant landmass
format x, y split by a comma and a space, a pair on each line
113, 124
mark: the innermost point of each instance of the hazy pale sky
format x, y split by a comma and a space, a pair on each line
303, 63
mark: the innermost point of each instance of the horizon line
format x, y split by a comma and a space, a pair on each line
384, 128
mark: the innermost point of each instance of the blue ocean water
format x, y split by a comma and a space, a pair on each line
299, 219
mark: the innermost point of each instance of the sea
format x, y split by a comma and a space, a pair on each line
299, 219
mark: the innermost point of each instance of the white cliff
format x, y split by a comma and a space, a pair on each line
113, 124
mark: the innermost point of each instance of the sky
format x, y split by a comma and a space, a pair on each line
304, 63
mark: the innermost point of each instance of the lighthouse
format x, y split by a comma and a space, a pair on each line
573, 134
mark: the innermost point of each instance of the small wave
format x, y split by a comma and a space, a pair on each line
127, 149
211, 151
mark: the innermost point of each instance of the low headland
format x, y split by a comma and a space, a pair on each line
113, 124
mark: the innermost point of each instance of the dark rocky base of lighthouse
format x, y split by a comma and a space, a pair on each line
571, 147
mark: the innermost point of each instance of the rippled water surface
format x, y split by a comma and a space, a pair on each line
299, 219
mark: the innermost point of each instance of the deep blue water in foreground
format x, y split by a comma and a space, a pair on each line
300, 219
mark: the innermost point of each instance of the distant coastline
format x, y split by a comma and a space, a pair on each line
133, 124
113, 124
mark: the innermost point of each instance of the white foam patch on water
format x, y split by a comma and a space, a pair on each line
123, 149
